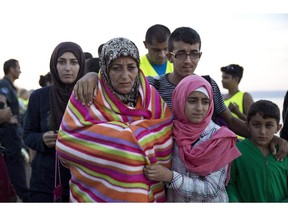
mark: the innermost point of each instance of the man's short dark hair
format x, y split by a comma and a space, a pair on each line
158, 32
266, 108
88, 55
234, 70
184, 34
11, 63
93, 65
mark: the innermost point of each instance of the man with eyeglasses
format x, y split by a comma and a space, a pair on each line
184, 45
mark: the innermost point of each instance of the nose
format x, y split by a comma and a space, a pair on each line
199, 106
187, 59
125, 73
67, 67
162, 53
262, 130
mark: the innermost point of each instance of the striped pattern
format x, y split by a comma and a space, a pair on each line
107, 145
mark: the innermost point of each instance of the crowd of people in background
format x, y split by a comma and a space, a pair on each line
122, 127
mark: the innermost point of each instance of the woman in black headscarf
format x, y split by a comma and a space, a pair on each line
43, 117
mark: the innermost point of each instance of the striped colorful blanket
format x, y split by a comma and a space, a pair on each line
107, 145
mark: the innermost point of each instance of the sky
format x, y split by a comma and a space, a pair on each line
250, 33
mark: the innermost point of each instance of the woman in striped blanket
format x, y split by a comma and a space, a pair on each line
107, 144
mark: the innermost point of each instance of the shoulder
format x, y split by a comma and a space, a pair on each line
41, 92
143, 59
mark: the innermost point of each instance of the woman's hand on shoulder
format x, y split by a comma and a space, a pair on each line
85, 89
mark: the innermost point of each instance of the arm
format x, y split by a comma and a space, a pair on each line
86, 88
234, 108
247, 102
208, 186
35, 123
284, 130
237, 125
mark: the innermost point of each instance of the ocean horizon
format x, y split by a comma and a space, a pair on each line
268, 94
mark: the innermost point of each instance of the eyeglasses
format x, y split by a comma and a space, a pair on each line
183, 55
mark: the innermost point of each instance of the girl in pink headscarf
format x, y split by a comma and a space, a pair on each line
203, 151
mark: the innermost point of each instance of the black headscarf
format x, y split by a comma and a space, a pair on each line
59, 91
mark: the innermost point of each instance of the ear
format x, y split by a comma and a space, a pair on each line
247, 125
169, 57
278, 128
145, 44
237, 79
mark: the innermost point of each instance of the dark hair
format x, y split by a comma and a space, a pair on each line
11, 63
100, 49
45, 79
266, 108
92, 65
184, 34
159, 33
88, 55
234, 70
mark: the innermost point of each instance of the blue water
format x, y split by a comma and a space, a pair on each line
275, 96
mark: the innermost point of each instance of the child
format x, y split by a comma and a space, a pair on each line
256, 176
202, 150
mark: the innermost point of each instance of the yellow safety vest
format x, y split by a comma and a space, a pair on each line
238, 99
148, 70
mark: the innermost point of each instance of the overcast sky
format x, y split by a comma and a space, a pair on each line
240, 32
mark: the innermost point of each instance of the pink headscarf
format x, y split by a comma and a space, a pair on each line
212, 154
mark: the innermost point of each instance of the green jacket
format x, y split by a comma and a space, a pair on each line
256, 178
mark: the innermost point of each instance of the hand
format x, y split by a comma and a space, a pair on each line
13, 120
49, 138
157, 172
283, 148
5, 115
86, 88
233, 107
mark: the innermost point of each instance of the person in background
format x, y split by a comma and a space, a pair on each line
155, 62
256, 176
12, 139
184, 47
237, 101
7, 191
284, 130
203, 151
88, 56
92, 65
127, 127
43, 117
45, 80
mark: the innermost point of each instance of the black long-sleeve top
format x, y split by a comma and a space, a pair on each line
43, 164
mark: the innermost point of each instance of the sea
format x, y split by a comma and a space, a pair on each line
275, 96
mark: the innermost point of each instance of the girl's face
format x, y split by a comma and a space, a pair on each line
196, 107
68, 67
123, 72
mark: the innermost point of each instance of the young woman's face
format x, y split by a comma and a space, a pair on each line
196, 107
123, 72
262, 129
68, 67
